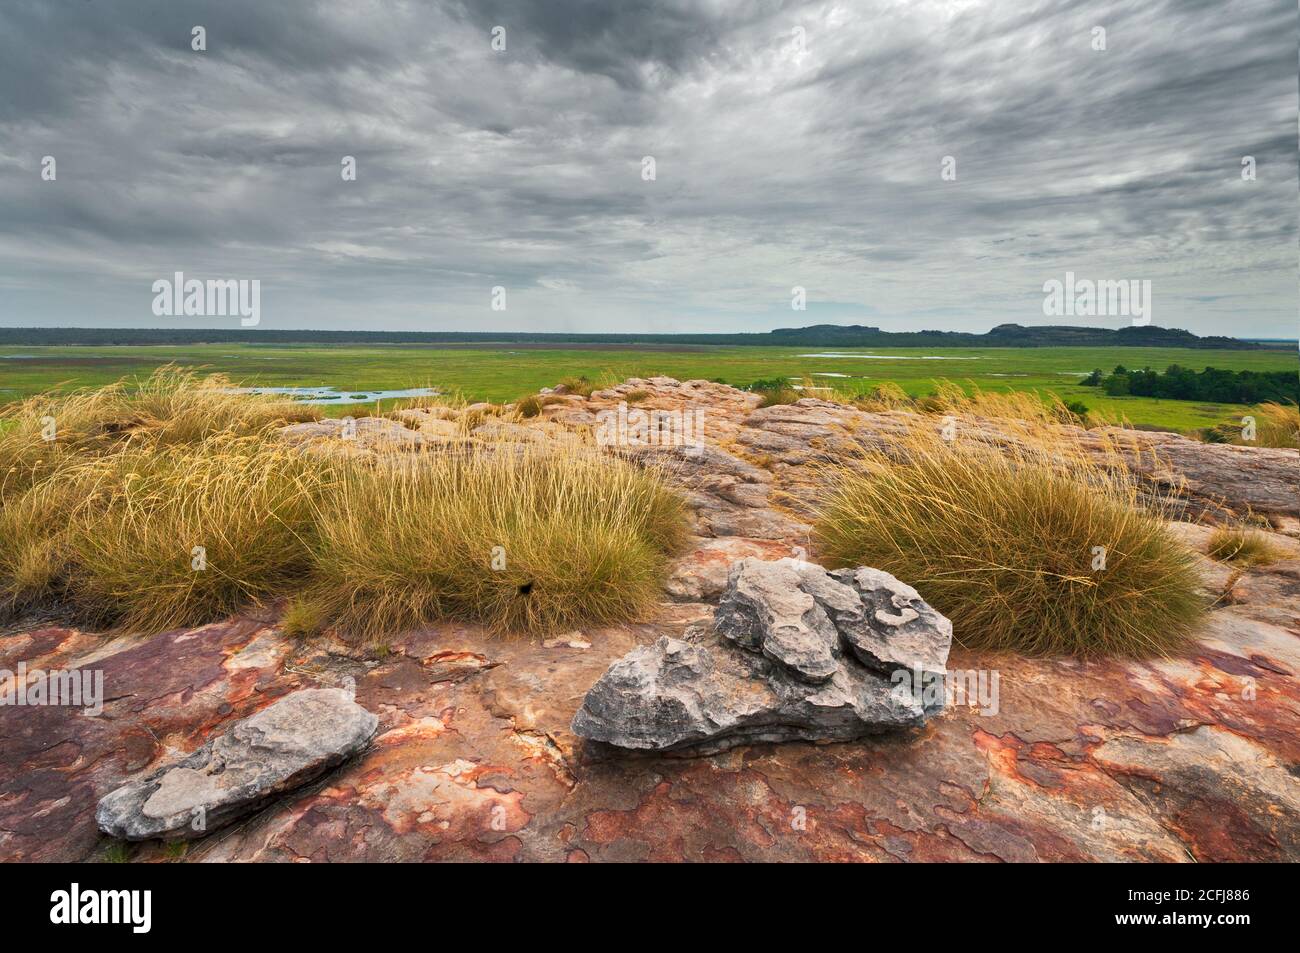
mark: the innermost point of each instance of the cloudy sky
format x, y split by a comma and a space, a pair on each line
795, 144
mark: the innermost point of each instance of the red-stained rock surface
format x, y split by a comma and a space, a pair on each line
1190, 758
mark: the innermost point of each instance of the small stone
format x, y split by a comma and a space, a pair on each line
573, 640
256, 760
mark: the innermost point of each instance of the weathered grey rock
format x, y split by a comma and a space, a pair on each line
765, 610
257, 759
795, 653
892, 627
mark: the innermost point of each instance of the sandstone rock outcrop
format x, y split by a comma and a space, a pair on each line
254, 761
795, 653
1164, 759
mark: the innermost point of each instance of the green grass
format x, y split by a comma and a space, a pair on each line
117, 852
507, 372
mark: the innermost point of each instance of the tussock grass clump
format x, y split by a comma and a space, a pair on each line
176, 503
581, 386
79, 423
1242, 547
175, 405
775, 391
303, 617
171, 406
949, 397
778, 396
1003, 541
531, 406
880, 397
1028, 406
519, 539
246, 501
1276, 425
34, 540
114, 535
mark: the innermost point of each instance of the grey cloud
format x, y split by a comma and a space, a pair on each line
775, 166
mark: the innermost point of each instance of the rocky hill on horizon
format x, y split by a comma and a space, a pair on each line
819, 335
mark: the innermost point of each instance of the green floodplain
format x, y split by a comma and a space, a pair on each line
507, 371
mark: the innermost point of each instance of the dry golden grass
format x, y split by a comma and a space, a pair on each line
451, 406
776, 392
531, 406
107, 520
779, 395
1003, 541
581, 386
517, 538
881, 397
303, 617
113, 535
1276, 425
246, 501
34, 547
951, 398
1242, 547
42, 434
173, 405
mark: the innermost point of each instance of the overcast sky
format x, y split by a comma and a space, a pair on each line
794, 144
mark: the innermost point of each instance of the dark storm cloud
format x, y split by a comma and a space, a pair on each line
633, 42
796, 143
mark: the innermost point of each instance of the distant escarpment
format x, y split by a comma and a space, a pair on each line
818, 335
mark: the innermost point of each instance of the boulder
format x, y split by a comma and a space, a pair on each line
283, 746
794, 653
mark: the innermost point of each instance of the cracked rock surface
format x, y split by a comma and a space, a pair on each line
1168, 759
255, 760
795, 654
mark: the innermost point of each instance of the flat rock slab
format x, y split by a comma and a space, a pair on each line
795, 654
1079, 761
259, 758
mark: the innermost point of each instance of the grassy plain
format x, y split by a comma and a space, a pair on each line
508, 371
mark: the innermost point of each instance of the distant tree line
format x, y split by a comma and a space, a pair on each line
820, 335
1212, 384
